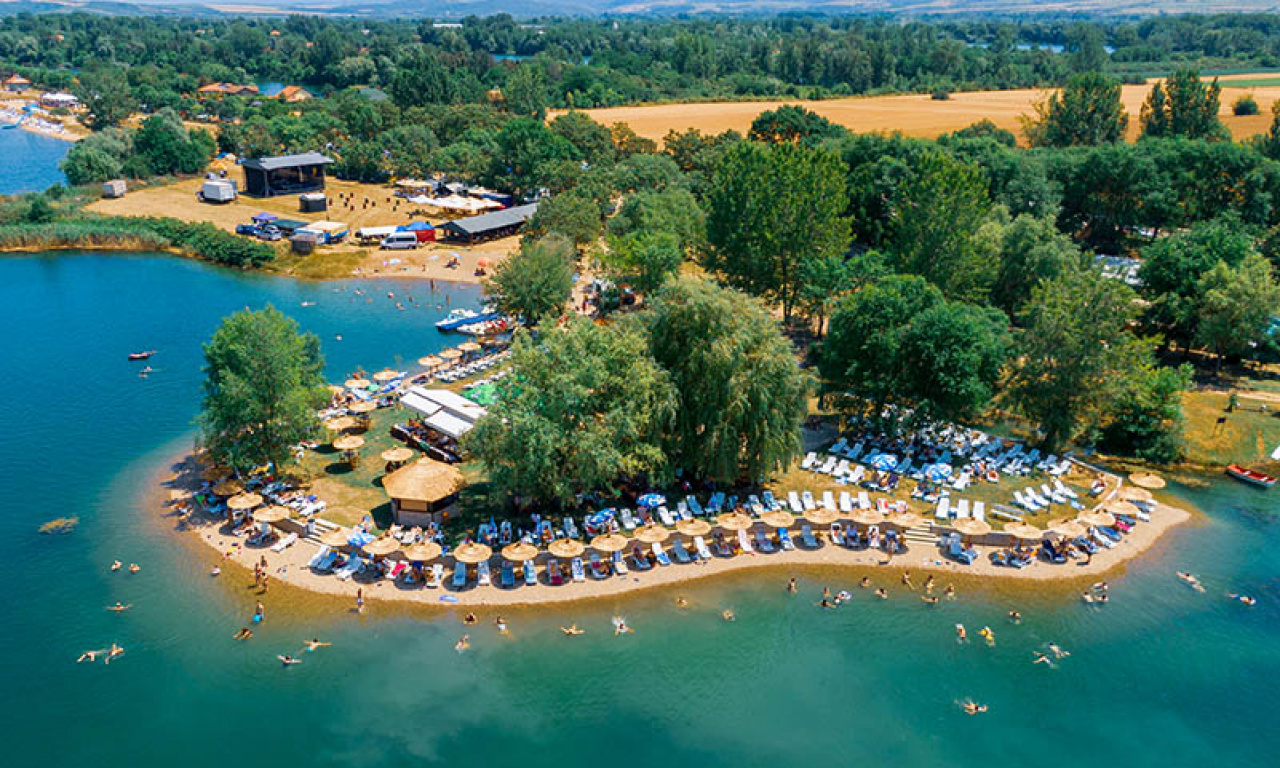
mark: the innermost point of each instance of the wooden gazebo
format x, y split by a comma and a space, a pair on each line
420, 492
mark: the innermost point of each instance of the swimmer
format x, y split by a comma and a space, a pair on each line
791, 585
134, 568
1191, 580
880, 593
119, 607
463, 644
1247, 600
1101, 586
360, 600
1015, 617
950, 592
906, 580
826, 594
116, 565
113, 653
572, 630
865, 583
681, 602
244, 634
315, 643
930, 599
1088, 597
1058, 653
962, 636
989, 636
501, 624
90, 656
620, 626
469, 619
215, 571
288, 660
973, 708
826, 603
259, 613
1042, 659
727, 615
928, 584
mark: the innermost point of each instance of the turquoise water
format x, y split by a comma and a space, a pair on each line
1162, 676
29, 162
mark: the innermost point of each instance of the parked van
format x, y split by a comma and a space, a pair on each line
399, 240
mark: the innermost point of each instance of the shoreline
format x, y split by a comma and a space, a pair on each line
289, 569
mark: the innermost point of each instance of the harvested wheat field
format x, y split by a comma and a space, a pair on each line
913, 114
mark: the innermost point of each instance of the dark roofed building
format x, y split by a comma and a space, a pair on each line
489, 225
285, 174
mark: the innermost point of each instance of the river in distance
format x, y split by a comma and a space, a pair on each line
1162, 675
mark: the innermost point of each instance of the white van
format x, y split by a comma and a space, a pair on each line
400, 240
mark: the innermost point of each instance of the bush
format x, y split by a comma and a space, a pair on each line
1245, 105
941, 95
198, 239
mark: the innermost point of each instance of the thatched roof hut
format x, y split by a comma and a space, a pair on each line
420, 491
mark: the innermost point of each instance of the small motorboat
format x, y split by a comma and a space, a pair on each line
142, 355
1251, 476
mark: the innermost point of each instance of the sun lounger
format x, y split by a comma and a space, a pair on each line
785, 538
459, 575
682, 511
530, 574
837, 534
943, 510
700, 545
628, 522
1004, 513
806, 535
962, 509
809, 461
352, 565
323, 559
828, 500
508, 574
762, 542
846, 502
597, 568
744, 541
284, 543
660, 554
770, 503
482, 573
882, 506
793, 499
1054, 495
864, 501
575, 565
697, 509
619, 564
857, 473
806, 499
980, 510
435, 577
664, 515
957, 550
839, 446
1064, 490
682, 554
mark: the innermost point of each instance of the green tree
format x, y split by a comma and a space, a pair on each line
1236, 305
1146, 421
534, 282
950, 356
167, 147
422, 80
593, 142
105, 94
1075, 353
263, 387
742, 396
581, 410
1087, 112
570, 214
1031, 249
88, 164
789, 124
771, 209
525, 152
824, 281
673, 211
645, 259
525, 92
1184, 105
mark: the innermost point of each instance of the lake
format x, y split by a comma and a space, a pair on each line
1161, 676
29, 161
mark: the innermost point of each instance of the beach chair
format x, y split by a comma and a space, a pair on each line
682, 554
660, 554
785, 537
806, 499
482, 573
694, 506
554, 575
857, 473
762, 542
744, 541
664, 515
829, 500
754, 505
806, 535
715, 504
628, 522
770, 503
349, 569
980, 511
530, 574
459, 575
828, 466
682, 511
864, 501
1054, 495
957, 550
943, 510
508, 574
319, 557
597, 568
846, 502
1005, 514
838, 446
284, 543
962, 509
837, 534
397, 569
793, 499
1063, 489
809, 461
575, 566
619, 564
700, 545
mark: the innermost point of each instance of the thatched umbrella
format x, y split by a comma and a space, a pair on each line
1024, 531
566, 548
385, 375
867, 517
397, 455
1097, 517
430, 361
469, 347
695, 527
652, 534
273, 514
383, 546
609, 542
971, 527
357, 383
1147, 480
340, 424
519, 551
244, 501
472, 552
1121, 508
422, 551
904, 519
732, 521
335, 538
364, 406
1065, 526
1132, 493
349, 443
778, 519
228, 488
450, 355
821, 516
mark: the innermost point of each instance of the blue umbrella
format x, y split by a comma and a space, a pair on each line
885, 461
359, 538
652, 500
601, 518
937, 472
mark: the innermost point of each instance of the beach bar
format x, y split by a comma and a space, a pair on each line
285, 174
420, 492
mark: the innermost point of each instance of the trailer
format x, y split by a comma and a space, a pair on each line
217, 191
327, 232
374, 235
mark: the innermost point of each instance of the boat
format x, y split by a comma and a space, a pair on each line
141, 355
460, 317
1253, 477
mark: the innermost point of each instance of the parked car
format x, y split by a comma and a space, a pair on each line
267, 232
399, 240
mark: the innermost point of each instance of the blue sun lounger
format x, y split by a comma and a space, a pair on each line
530, 574
762, 542
660, 554
806, 535
508, 574
459, 575
682, 554
619, 564
576, 567
770, 503
785, 538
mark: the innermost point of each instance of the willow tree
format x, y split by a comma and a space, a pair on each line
742, 396
263, 387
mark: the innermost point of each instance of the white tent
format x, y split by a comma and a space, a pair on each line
447, 412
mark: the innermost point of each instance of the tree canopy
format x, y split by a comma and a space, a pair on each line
534, 282
1088, 111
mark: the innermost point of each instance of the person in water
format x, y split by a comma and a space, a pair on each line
950, 592
469, 619
988, 635
727, 615
620, 626
865, 583
572, 630
1041, 659
134, 568
244, 634
90, 656
961, 634
116, 565
1058, 653
973, 708
906, 580
880, 593
1015, 617
288, 660
681, 602
928, 584
501, 624
463, 644
1247, 600
259, 613
930, 599
791, 585
119, 607
115, 652
360, 600
315, 643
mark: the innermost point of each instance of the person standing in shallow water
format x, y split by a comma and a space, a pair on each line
791, 585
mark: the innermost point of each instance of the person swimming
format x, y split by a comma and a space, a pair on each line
865, 583
950, 592
259, 613
116, 565
119, 607
134, 568
90, 656
315, 643
469, 619
620, 626
962, 635
988, 635
1041, 659
727, 615
928, 584
681, 602
791, 585
1015, 617
501, 624
115, 652
572, 630
1191, 580
880, 593
906, 580
1247, 600
244, 634
463, 644
288, 660
930, 599
215, 571
973, 708
1058, 653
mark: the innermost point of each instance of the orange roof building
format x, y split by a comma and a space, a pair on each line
292, 93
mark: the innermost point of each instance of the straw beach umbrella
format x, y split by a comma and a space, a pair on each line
778, 519
566, 548
971, 527
357, 383
244, 501
273, 514
468, 347
383, 546
384, 375
349, 443
340, 424
821, 516
652, 534
1130, 493
1098, 517
472, 552
867, 517
609, 542
731, 521
1122, 508
228, 488
1147, 480
905, 519
1065, 526
695, 527
364, 406
335, 538
422, 551
397, 455
430, 361
519, 551
1024, 531
450, 354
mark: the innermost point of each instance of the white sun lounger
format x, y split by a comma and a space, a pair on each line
864, 501
793, 499
459, 575
628, 521
284, 543
576, 567
660, 554
962, 509
809, 461
744, 541
482, 573
943, 510
664, 515
1064, 490
619, 564
682, 511
435, 576
319, 557
829, 500
846, 502
980, 510
806, 499
701, 546
530, 574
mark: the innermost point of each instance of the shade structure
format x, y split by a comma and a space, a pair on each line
1065, 526
778, 519
468, 347
652, 534
651, 500
1119, 508
609, 542
272, 514
867, 517
904, 519
1097, 517
425, 481
244, 501
430, 361
349, 443
385, 375
731, 521
821, 516
1132, 493
356, 383
1147, 480
214, 474
450, 354
364, 406
228, 488
566, 548
696, 527
971, 527
341, 423
335, 538
398, 454
472, 552
520, 551
422, 551
884, 461
937, 472
334, 389
1024, 531
383, 546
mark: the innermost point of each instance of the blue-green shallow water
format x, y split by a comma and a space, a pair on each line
1162, 676
29, 161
